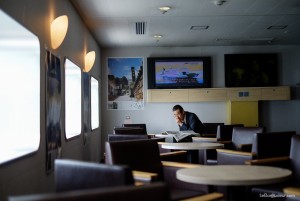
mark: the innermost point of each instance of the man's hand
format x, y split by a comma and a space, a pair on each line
179, 121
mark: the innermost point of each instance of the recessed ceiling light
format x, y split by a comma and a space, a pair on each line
199, 27
164, 9
277, 27
157, 36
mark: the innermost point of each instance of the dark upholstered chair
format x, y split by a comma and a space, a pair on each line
293, 163
76, 175
224, 135
264, 145
129, 130
224, 132
122, 137
143, 155
153, 192
211, 129
143, 126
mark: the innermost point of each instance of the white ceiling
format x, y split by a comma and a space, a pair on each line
236, 22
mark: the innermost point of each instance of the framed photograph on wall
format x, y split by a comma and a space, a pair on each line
125, 79
53, 110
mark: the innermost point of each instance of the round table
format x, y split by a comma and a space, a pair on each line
192, 149
235, 177
191, 145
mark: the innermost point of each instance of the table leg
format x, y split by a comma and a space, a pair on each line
193, 156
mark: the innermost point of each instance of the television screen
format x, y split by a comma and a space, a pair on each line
168, 73
251, 70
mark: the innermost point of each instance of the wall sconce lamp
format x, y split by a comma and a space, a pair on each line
89, 61
59, 28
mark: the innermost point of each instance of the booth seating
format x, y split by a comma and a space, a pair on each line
143, 155
292, 186
78, 175
264, 145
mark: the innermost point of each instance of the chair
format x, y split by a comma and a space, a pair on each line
242, 140
122, 137
224, 132
265, 145
143, 155
157, 192
77, 175
224, 135
154, 192
143, 126
129, 130
293, 163
211, 129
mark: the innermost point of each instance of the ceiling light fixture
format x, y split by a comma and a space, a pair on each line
157, 37
277, 27
219, 2
164, 9
244, 39
199, 27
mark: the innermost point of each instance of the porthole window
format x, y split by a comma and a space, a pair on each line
72, 99
94, 103
20, 90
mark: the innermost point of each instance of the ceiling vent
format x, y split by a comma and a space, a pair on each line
140, 28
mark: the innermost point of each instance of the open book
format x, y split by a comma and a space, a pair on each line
179, 135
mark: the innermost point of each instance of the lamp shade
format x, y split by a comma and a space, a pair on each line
59, 28
89, 61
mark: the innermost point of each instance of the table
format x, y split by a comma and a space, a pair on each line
191, 145
192, 148
233, 175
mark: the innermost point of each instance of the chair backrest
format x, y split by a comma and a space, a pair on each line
75, 175
129, 130
295, 157
212, 128
244, 135
272, 144
224, 132
143, 126
142, 155
156, 191
123, 137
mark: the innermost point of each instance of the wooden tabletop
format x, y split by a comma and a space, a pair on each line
191, 145
233, 175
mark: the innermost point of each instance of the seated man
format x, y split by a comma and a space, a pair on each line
187, 120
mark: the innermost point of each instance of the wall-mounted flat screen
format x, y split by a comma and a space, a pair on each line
251, 70
168, 73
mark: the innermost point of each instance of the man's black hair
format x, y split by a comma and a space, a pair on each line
178, 107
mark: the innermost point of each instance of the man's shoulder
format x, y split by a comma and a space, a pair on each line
190, 114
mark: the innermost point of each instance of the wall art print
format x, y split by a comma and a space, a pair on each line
53, 110
125, 83
86, 105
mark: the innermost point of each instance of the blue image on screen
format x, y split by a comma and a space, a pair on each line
179, 73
